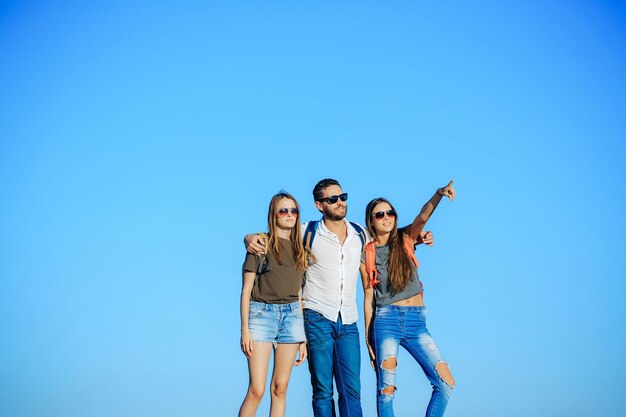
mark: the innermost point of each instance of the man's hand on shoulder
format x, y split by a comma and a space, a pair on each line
426, 238
255, 244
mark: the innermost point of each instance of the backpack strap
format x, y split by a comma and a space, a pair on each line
370, 263
309, 234
410, 250
261, 267
370, 258
311, 229
361, 233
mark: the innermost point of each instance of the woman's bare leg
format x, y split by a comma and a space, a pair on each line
257, 369
284, 357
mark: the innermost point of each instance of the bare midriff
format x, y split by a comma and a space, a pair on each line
415, 301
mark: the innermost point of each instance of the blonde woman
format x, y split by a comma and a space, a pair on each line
271, 311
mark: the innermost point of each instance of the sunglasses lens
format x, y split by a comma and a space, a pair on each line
284, 211
333, 198
379, 215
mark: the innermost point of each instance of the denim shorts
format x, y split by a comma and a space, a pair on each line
276, 323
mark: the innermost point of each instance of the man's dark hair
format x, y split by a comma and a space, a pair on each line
318, 190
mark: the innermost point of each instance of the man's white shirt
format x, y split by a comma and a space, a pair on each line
331, 281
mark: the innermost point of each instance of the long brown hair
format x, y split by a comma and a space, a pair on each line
300, 256
399, 266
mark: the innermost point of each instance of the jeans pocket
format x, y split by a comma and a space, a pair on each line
312, 315
382, 311
297, 312
255, 312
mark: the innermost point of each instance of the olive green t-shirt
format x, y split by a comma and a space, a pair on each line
281, 284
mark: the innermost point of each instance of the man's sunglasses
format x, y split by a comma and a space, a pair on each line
379, 215
333, 198
284, 211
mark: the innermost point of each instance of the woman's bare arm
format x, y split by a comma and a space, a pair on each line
247, 343
415, 228
368, 309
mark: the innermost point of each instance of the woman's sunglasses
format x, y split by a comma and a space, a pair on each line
379, 215
333, 198
284, 211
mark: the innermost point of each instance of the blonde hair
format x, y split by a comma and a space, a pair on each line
300, 253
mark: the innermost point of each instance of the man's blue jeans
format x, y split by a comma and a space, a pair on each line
333, 352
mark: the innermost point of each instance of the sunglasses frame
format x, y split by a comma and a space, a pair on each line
392, 214
284, 211
335, 198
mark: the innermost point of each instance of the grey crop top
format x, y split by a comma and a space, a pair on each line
382, 291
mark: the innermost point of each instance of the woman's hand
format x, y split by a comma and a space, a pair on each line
447, 191
301, 354
247, 343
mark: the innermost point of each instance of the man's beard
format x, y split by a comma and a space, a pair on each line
331, 215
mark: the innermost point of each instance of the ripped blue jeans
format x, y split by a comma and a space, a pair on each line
405, 326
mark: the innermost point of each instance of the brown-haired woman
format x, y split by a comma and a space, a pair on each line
393, 304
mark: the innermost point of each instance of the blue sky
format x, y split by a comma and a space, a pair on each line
139, 142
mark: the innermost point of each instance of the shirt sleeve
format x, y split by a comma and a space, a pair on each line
251, 263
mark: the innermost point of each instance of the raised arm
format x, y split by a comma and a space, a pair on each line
368, 310
415, 228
